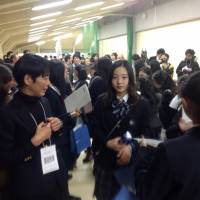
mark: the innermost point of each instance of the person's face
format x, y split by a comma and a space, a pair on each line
120, 81
92, 72
163, 58
87, 61
77, 60
188, 56
38, 87
96, 58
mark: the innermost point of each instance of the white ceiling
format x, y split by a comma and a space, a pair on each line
15, 19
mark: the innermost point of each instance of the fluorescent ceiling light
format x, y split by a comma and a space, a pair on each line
40, 43
33, 39
71, 20
39, 28
75, 27
39, 31
44, 22
46, 16
36, 35
92, 5
93, 18
55, 33
52, 5
112, 6
60, 28
63, 36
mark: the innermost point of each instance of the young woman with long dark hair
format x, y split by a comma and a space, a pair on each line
120, 104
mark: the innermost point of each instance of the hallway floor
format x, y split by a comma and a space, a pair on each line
82, 183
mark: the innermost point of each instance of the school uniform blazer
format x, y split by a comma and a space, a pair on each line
174, 172
136, 122
16, 130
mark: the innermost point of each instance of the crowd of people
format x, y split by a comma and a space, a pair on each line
128, 102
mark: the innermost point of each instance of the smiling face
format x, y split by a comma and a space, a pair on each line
36, 88
120, 81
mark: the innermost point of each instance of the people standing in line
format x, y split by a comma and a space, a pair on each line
120, 102
27, 135
189, 65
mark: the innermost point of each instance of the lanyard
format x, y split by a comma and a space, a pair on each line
45, 117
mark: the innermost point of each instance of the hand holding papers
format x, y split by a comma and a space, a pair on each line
78, 99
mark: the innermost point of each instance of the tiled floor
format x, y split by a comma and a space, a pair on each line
82, 183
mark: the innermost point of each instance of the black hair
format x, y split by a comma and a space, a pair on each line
133, 96
5, 77
164, 79
92, 57
155, 66
12, 57
82, 75
108, 56
103, 68
136, 57
57, 69
115, 54
146, 70
67, 57
190, 51
9, 53
32, 65
26, 51
191, 91
160, 51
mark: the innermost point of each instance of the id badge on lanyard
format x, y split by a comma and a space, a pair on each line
48, 154
49, 159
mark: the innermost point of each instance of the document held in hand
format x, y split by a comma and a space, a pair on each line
78, 99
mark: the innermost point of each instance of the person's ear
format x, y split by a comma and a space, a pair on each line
187, 106
28, 79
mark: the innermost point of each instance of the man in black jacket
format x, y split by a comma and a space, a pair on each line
27, 136
189, 65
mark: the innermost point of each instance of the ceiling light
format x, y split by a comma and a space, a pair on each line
93, 18
39, 28
33, 39
47, 15
71, 20
44, 22
52, 5
55, 33
36, 35
65, 27
39, 31
40, 43
63, 36
112, 6
87, 6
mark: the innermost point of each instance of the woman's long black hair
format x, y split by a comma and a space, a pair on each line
57, 78
133, 96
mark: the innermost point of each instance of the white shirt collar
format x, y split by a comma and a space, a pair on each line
125, 97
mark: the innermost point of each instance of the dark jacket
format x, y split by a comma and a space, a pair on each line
193, 65
174, 172
136, 122
16, 130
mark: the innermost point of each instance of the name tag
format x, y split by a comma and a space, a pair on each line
49, 159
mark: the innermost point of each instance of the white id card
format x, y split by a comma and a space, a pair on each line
49, 159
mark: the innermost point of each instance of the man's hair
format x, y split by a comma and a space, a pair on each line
160, 51
32, 65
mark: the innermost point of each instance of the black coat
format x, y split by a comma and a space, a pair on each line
136, 122
174, 172
16, 130
194, 66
